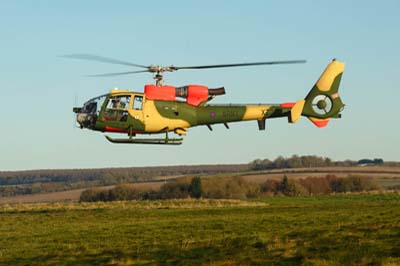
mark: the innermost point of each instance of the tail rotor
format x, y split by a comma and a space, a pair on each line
74, 124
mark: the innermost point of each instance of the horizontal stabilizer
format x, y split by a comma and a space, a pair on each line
296, 110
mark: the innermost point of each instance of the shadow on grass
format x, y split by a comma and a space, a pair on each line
104, 258
235, 254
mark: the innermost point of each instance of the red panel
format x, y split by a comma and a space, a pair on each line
115, 129
320, 123
166, 93
197, 94
287, 105
120, 130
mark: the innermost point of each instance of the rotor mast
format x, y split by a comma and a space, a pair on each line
159, 79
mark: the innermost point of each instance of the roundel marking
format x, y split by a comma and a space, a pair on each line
321, 104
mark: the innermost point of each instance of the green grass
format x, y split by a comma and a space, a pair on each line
328, 230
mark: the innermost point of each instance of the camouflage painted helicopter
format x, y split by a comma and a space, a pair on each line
162, 108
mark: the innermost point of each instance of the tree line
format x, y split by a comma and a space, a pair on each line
234, 188
296, 161
109, 176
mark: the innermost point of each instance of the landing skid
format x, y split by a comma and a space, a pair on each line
162, 141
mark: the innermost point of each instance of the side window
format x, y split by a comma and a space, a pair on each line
117, 108
119, 102
138, 102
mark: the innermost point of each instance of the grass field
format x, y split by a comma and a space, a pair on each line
328, 230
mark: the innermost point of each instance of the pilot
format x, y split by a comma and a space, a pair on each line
118, 104
114, 103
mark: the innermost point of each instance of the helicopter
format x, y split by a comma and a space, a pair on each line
161, 108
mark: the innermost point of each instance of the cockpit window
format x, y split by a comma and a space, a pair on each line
90, 107
93, 106
137, 102
119, 102
117, 108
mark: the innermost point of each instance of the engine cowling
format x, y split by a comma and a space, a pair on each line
194, 94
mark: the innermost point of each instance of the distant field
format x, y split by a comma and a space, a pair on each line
382, 178
389, 182
69, 195
385, 176
379, 172
328, 230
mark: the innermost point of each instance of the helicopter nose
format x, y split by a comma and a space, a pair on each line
82, 119
79, 117
79, 120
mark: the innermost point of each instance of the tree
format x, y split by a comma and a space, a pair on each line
285, 184
294, 162
175, 190
280, 162
195, 188
271, 186
316, 185
291, 187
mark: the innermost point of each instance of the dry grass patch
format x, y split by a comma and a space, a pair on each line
153, 204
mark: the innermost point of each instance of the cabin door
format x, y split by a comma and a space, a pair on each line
136, 113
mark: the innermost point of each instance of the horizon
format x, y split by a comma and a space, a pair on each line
39, 88
183, 165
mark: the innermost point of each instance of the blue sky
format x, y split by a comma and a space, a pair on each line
38, 88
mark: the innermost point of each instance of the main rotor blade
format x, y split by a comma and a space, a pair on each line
117, 74
102, 59
243, 64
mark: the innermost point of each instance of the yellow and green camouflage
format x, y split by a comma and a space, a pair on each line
163, 116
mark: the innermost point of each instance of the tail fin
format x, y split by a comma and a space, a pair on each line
323, 101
